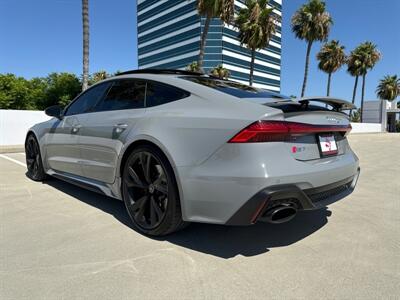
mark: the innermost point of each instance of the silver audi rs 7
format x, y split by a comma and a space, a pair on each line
180, 147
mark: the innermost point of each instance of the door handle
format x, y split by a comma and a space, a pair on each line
120, 127
76, 128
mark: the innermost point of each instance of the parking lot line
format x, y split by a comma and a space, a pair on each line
13, 160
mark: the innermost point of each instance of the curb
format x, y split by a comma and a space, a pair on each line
12, 149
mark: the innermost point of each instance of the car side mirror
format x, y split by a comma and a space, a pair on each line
54, 111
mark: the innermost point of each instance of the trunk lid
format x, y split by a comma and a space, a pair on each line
306, 147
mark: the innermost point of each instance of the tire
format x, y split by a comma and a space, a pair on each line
150, 192
34, 159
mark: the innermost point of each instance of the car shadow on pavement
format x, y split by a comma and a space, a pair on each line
217, 240
230, 241
107, 204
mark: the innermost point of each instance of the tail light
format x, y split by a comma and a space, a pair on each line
273, 131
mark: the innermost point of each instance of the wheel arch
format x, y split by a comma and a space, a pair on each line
139, 142
30, 132
155, 143
35, 132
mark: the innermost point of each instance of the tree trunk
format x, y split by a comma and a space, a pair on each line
328, 88
362, 97
354, 93
85, 19
355, 90
203, 42
306, 68
253, 57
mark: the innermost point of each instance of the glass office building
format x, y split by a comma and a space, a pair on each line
169, 37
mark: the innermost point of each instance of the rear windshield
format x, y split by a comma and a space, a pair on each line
233, 88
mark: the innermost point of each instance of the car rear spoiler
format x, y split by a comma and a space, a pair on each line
337, 104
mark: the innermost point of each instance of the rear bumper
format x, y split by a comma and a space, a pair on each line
307, 199
215, 190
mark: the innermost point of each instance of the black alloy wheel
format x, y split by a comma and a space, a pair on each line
150, 193
34, 159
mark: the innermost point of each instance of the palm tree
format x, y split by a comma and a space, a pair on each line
354, 69
331, 58
85, 19
368, 55
193, 67
220, 72
311, 23
223, 9
355, 116
388, 88
98, 76
257, 24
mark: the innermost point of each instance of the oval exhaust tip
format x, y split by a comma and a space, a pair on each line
280, 214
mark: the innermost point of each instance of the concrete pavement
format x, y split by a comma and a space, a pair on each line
59, 241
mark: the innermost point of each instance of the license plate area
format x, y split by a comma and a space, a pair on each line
327, 144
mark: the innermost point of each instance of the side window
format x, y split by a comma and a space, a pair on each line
159, 93
87, 100
124, 94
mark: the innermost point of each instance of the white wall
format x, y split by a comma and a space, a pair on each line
366, 127
15, 123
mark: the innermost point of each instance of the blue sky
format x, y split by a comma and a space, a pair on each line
355, 21
42, 36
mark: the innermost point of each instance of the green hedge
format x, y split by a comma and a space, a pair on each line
41, 92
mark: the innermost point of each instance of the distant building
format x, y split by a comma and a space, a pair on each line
383, 112
169, 37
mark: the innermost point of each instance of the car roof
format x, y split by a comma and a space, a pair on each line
164, 74
161, 72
